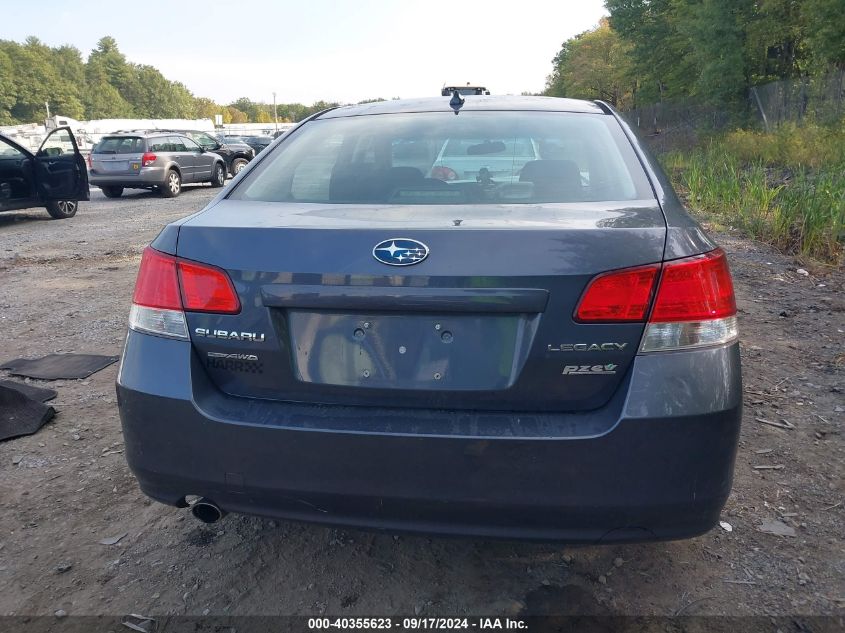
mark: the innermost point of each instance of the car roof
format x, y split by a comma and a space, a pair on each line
142, 133
479, 102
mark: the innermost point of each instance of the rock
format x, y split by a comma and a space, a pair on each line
63, 567
602, 579
60, 613
113, 540
777, 528
618, 562
17, 459
801, 271
418, 609
727, 527
567, 558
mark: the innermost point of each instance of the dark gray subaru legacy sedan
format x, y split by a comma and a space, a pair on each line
484, 316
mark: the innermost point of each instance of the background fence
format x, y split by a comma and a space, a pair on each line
677, 125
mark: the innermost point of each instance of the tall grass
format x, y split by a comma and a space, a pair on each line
786, 188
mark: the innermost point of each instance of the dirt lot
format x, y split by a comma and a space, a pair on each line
65, 286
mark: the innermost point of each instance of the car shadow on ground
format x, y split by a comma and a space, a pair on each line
97, 196
12, 218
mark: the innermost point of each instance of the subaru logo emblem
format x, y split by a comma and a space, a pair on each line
400, 251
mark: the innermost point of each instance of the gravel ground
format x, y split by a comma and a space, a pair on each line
65, 286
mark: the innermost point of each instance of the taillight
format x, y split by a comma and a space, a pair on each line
148, 159
207, 289
90, 164
168, 286
443, 173
157, 285
694, 303
695, 288
622, 295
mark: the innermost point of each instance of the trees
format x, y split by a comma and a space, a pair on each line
660, 56
593, 65
8, 96
716, 35
31, 79
107, 85
825, 21
713, 50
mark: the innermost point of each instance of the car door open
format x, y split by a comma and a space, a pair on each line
60, 172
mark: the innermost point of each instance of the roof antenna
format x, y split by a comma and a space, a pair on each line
456, 101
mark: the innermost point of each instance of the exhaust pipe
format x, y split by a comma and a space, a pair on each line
207, 511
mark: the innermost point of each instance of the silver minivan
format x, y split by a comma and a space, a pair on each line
163, 161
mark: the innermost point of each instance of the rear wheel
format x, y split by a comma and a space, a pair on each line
112, 192
218, 177
237, 165
172, 185
62, 209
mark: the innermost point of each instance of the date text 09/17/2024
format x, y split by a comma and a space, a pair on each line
419, 623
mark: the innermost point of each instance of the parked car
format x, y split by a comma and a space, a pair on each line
468, 89
236, 154
54, 177
158, 160
474, 159
258, 143
340, 339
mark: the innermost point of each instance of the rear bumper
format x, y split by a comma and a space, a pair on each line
147, 177
655, 463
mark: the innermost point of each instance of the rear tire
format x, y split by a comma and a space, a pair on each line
237, 165
112, 192
62, 209
218, 177
172, 186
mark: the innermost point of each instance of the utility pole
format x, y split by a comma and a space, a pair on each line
47, 105
275, 112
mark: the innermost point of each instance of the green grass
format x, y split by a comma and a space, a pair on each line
786, 188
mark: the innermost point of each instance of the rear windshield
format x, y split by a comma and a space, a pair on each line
119, 145
440, 158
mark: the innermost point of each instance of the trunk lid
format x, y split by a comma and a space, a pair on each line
483, 322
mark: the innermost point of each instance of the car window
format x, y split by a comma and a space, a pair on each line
177, 143
189, 144
161, 144
203, 139
8, 151
119, 145
56, 144
440, 158
311, 179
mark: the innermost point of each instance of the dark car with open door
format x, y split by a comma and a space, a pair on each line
54, 177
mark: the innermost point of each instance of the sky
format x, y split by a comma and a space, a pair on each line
310, 50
